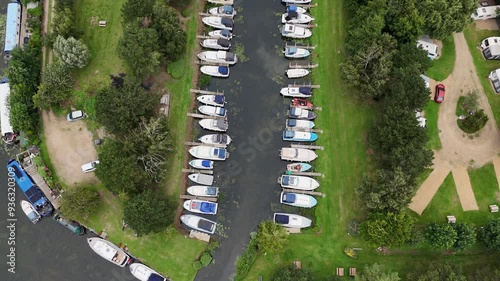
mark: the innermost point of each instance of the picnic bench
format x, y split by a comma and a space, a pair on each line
352, 271
165, 104
102, 23
340, 271
494, 208
451, 219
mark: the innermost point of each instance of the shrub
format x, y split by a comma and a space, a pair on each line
197, 265
204, 80
206, 259
246, 260
473, 122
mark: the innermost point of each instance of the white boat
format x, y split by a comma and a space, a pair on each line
216, 71
296, 52
298, 182
210, 110
297, 200
293, 31
216, 139
297, 123
208, 152
295, 8
296, 92
200, 206
297, 72
298, 167
202, 164
202, 179
294, 1
145, 273
199, 223
291, 220
297, 154
218, 57
300, 113
109, 251
296, 17
217, 100
216, 44
221, 34
30, 211
221, 2
214, 125
226, 10
218, 22
202, 190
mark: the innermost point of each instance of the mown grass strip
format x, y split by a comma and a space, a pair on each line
443, 66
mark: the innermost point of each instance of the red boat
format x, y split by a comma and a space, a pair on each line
301, 103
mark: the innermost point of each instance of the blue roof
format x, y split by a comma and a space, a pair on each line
20, 176
12, 26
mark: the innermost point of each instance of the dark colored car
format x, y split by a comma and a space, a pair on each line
439, 96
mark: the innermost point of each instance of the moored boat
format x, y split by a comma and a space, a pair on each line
30, 211
218, 57
72, 226
299, 92
202, 164
294, 1
301, 102
109, 251
145, 273
217, 125
291, 220
295, 17
289, 135
210, 110
297, 123
297, 200
298, 182
297, 72
216, 139
221, 2
297, 154
202, 190
200, 206
216, 71
298, 167
296, 52
294, 31
217, 100
218, 22
295, 8
221, 34
226, 10
208, 152
300, 113
202, 179
216, 44
199, 223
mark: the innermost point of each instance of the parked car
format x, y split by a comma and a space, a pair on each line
90, 167
75, 115
439, 96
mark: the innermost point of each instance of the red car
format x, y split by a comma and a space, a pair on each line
301, 102
439, 97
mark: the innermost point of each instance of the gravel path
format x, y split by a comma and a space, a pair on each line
464, 189
428, 188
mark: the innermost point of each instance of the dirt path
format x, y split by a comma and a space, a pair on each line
464, 189
69, 145
459, 150
428, 188
496, 165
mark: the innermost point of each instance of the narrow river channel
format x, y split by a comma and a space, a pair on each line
256, 119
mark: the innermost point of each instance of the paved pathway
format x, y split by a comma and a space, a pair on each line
464, 189
496, 165
428, 188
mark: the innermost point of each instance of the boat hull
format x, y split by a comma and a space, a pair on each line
295, 93
213, 71
202, 179
142, 272
103, 248
297, 73
215, 24
298, 54
301, 19
212, 44
292, 221
210, 110
297, 123
212, 139
207, 124
298, 182
297, 200
212, 58
30, 212
300, 136
297, 154
202, 190
216, 12
221, 34
221, 2
207, 152
192, 206
193, 222
198, 164
211, 100
298, 167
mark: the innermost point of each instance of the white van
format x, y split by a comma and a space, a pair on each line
8, 134
484, 13
430, 48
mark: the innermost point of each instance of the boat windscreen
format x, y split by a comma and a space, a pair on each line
206, 225
207, 207
223, 42
281, 219
221, 153
288, 197
291, 123
211, 190
220, 124
156, 277
226, 22
205, 163
292, 15
219, 99
285, 180
225, 33
292, 50
305, 90
222, 138
223, 70
227, 9
289, 134
229, 56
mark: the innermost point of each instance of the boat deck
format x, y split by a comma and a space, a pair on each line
30, 169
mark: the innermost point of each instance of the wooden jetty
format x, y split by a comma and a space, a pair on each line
187, 197
310, 25
308, 47
306, 6
193, 171
206, 144
199, 235
210, 63
308, 107
291, 230
299, 65
310, 174
304, 192
40, 182
204, 92
219, 15
304, 129
304, 85
205, 37
307, 146
202, 116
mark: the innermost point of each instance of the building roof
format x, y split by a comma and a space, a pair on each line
6, 127
12, 23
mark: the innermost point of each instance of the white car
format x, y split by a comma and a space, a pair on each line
75, 115
90, 167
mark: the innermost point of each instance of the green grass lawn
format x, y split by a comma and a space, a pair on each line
431, 113
102, 41
485, 185
484, 67
442, 67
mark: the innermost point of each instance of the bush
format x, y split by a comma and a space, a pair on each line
490, 234
204, 80
206, 259
212, 245
473, 122
197, 265
246, 260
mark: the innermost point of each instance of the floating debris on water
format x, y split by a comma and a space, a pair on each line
239, 50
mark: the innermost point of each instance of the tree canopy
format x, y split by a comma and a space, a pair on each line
79, 202
490, 234
271, 237
73, 53
437, 272
388, 229
404, 20
441, 235
466, 236
377, 272
171, 38
292, 274
55, 87
148, 212
443, 17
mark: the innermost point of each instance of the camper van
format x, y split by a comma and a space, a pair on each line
430, 48
484, 13
8, 134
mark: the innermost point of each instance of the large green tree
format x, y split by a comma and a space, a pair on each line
171, 37
388, 229
64, 23
134, 9
271, 237
441, 235
407, 89
121, 109
404, 20
437, 272
292, 274
79, 202
72, 53
366, 25
55, 87
377, 272
490, 234
487, 273
409, 55
466, 236
443, 17
148, 212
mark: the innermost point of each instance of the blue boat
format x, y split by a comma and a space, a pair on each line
289, 135
200, 206
29, 188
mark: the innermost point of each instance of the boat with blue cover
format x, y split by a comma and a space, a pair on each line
295, 8
298, 167
145, 273
208, 152
216, 100
30, 211
202, 190
296, 52
28, 187
200, 206
289, 135
202, 164
297, 200
298, 182
291, 220
216, 71
226, 10
199, 223
297, 123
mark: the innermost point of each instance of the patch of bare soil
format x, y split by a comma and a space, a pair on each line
70, 145
491, 24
